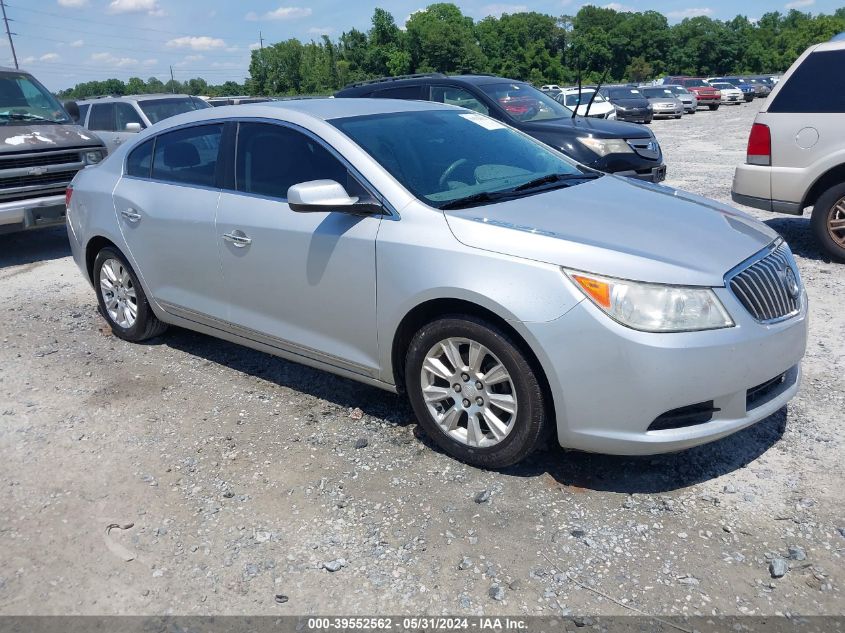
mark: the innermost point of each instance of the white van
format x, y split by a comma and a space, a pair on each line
796, 149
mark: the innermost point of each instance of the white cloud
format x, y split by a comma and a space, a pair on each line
77, 44
622, 8
29, 60
197, 43
255, 46
692, 12
496, 10
150, 7
800, 4
321, 30
74, 4
49, 57
107, 59
282, 13
149, 62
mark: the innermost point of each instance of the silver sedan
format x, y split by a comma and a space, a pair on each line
510, 292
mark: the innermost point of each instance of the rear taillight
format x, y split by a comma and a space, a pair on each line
68, 194
759, 145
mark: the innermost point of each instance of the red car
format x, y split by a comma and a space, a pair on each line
707, 94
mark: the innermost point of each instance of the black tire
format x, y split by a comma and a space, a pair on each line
531, 428
678, 116
714, 107
822, 211
146, 324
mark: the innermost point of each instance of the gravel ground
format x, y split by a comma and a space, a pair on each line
245, 477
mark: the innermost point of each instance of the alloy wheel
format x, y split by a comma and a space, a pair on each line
836, 222
118, 293
468, 392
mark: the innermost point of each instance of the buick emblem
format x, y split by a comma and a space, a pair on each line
790, 281
37, 171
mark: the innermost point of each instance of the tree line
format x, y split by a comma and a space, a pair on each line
596, 42
137, 86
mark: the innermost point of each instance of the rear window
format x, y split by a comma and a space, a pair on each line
402, 92
813, 88
140, 160
159, 109
188, 156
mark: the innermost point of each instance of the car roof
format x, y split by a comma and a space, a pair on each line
144, 97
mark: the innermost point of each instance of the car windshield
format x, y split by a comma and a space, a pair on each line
571, 99
723, 86
524, 102
159, 109
624, 93
696, 83
679, 90
657, 93
443, 156
25, 101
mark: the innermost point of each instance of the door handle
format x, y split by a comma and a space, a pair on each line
131, 215
237, 238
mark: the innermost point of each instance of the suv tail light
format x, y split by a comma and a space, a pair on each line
759, 145
68, 194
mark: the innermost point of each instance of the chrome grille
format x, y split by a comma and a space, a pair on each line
769, 286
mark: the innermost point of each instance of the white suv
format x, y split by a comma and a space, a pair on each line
796, 149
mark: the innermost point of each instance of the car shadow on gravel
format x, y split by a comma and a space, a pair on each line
27, 247
797, 233
656, 473
343, 392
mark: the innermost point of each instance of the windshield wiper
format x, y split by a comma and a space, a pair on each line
477, 198
554, 178
25, 116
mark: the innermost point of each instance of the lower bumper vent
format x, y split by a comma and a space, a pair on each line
689, 415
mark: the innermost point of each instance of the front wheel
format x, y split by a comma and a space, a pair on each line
122, 300
714, 106
828, 222
475, 392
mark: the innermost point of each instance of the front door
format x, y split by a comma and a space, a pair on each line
302, 281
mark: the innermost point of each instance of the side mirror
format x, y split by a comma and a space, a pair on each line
132, 127
72, 108
323, 196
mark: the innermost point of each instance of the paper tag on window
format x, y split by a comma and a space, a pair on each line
486, 122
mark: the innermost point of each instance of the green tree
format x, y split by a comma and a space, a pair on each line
441, 38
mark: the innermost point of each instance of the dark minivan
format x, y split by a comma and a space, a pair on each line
610, 146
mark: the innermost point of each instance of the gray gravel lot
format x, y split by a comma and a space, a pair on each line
240, 476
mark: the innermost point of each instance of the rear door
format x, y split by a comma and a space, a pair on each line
806, 117
166, 205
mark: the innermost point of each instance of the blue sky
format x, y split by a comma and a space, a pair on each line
64, 42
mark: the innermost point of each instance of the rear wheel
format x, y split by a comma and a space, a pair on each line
475, 392
122, 300
714, 106
828, 222
678, 116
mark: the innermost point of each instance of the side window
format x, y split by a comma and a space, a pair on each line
457, 97
140, 160
272, 158
125, 113
102, 117
815, 86
188, 156
403, 92
83, 111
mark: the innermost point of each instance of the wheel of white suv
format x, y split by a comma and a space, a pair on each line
828, 222
475, 392
122, 300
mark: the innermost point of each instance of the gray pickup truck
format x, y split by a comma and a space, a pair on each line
41, 149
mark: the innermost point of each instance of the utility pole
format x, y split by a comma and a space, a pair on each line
172, 80
9, 34
260, 41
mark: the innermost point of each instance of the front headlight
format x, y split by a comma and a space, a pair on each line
605, 146
654, 307
92, 157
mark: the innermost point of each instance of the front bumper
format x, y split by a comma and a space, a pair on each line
34, 213
634, 116
673, 112
610, 383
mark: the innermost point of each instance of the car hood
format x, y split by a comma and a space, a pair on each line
621, 228
669, 100
42, 136
630, 103
702, 89
599, 128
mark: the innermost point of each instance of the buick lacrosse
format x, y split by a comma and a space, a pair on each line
512, 293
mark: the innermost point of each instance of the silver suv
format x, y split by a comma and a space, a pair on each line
796, 150
116, 119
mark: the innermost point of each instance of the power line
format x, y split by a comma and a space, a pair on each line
9, 34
